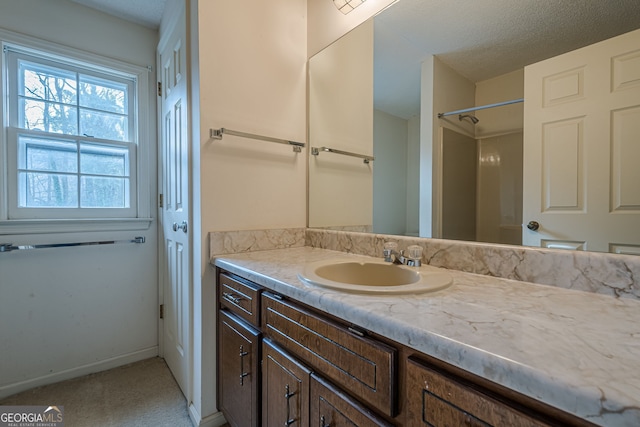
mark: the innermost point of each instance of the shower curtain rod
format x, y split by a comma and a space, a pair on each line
482, 107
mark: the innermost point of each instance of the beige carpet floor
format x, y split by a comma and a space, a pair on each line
140, 394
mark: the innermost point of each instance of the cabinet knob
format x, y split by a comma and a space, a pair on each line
471, 421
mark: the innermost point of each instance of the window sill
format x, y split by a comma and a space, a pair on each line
42, 226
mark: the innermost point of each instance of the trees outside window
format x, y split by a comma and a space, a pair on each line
72, 136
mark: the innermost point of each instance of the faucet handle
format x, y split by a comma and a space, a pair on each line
388, 250
414, 252
390, 246
414, 256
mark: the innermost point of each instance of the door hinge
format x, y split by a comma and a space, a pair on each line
160, 201
162, 311
159, 88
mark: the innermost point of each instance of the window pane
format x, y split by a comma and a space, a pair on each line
104, 160
104, 125
74, 137
47, 83
48, 190
48, 117
98, 192
104, 95
42, 155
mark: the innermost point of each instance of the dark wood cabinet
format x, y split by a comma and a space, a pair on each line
238, 371
312, 369
351, 359
285, 388
241, 297
439, 400
332, 407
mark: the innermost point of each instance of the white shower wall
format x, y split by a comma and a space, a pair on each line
499, 136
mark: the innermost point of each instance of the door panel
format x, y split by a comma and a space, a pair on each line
175, 210
625, 150
563, 166
581, 151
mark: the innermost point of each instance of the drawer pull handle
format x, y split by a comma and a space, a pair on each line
356, 331
242, 372
288, 395
322, 423
231, 297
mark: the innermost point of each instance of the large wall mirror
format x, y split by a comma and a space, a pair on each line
382, 160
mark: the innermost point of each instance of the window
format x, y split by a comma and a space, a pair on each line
72, 137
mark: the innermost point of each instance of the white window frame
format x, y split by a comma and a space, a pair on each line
14, 220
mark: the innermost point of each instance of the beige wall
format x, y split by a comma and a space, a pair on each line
258, 88
341, 187
500, 120
326, 23
443, 90
396, 174
413, 176
242, 184
391, 141
459, 164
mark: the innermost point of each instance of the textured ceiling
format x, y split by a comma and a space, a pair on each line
143, 12
482, 39
478, 38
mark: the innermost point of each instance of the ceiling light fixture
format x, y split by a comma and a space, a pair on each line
346, 6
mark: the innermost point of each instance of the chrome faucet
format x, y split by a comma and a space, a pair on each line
391, 254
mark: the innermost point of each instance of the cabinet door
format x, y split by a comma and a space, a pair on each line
438, 400
331, 407
238, 371
358, 363
285, 388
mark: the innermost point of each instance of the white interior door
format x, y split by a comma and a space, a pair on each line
582, 148
175, 210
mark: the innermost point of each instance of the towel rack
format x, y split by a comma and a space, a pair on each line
217, 134
316, 150
8, 247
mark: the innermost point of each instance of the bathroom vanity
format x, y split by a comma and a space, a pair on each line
484, 351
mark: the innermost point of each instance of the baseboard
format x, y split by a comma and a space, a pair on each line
213, 420
103, 365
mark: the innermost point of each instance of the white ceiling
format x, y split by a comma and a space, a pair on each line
143, 12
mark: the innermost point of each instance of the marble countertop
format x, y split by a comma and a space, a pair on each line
577, 351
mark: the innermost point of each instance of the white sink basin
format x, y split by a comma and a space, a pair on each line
374, 277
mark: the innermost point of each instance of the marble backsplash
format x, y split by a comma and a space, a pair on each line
602, 273
233, 242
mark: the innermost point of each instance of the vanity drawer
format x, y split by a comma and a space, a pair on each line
439, 400
363, 366
239, 297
